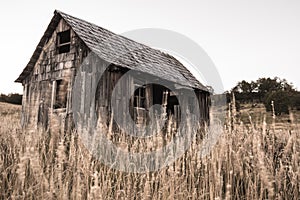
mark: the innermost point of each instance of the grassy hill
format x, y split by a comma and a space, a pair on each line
257, 112
9, 109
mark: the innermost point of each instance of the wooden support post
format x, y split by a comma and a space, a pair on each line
53, 95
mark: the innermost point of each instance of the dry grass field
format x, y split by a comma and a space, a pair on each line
257, 159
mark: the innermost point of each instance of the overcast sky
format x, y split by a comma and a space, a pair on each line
245, 39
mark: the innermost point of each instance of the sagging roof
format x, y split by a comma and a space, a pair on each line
118, 50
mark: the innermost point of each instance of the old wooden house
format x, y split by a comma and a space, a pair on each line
49, 79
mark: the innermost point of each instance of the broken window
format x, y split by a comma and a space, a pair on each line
60, 94
139, 96
138, 111
173, 103
167, 98
64, 41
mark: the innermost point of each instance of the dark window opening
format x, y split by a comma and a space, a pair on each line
64, 49
61, 94
158, 91
64, 41
172, 103
160, 95
163, 96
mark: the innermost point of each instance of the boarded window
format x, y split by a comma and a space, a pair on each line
61, 94
64, 41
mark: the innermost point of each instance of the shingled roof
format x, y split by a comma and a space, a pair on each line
120, 51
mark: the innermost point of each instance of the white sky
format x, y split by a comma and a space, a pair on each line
245, 39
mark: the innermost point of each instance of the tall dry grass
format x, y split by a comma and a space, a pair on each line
248, 162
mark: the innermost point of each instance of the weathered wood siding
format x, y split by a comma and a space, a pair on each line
94, 92
39, 85
94, 96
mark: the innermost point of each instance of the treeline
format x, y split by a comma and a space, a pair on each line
11, 98
272, 92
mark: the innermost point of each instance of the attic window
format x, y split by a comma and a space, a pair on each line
63, 41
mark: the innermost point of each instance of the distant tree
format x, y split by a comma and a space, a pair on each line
245, 87
266, 86
245, 91
295, 100
265, 90
261, 88
15, 98
269, 85
288, 87
2, 98
11, 98
281, 100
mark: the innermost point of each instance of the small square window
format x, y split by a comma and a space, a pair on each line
63, 41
